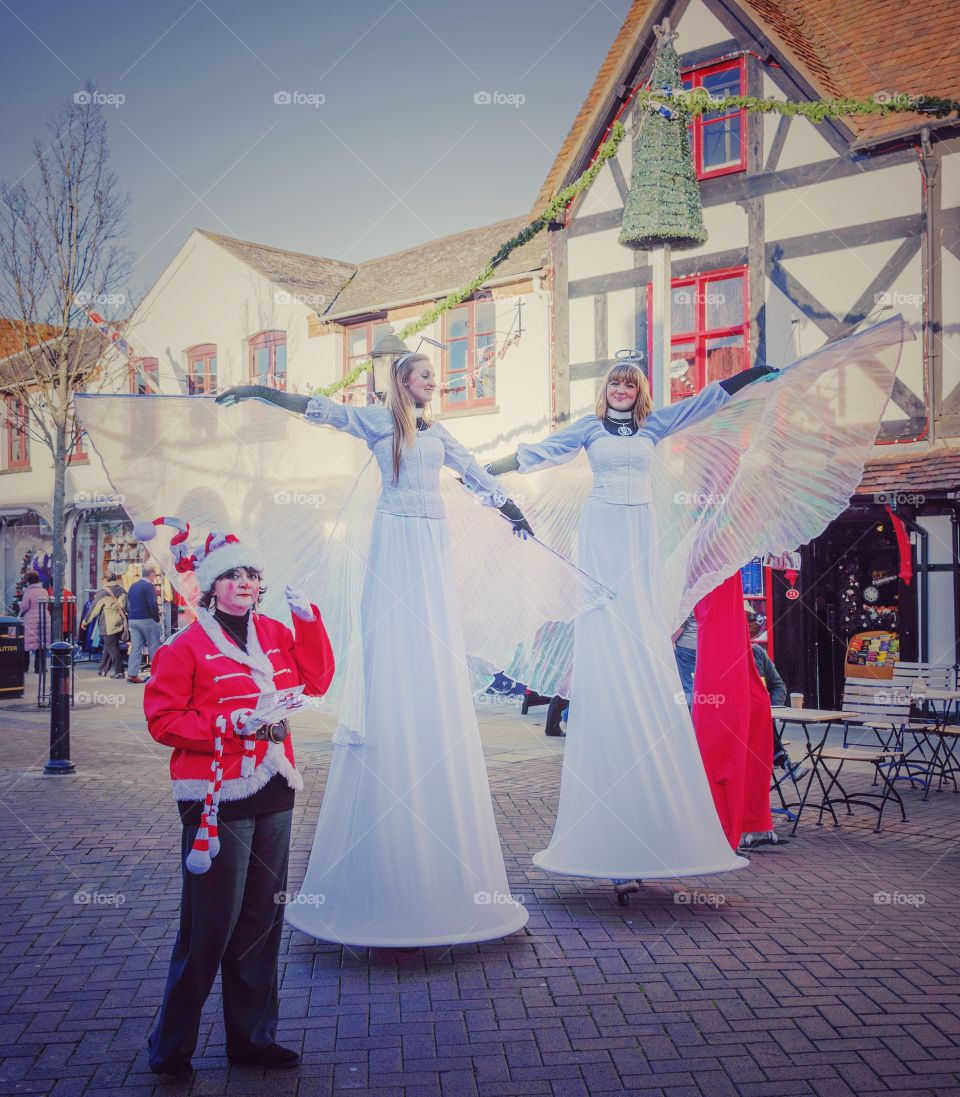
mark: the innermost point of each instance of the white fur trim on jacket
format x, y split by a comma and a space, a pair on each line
260, 666
239, 788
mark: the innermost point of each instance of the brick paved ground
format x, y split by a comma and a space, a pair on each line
799, 983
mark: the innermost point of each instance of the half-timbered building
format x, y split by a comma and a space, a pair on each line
814, 232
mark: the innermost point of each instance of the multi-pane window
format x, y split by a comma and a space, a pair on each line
718, 138
469, 362
709, 330
268, 359
359, 341
202, 370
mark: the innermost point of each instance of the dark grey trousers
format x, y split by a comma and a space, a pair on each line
231, 919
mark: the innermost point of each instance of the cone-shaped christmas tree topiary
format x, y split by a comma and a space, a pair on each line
663, 204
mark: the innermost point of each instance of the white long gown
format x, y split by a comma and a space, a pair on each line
406, 851
634, 797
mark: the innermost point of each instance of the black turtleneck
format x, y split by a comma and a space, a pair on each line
234, 625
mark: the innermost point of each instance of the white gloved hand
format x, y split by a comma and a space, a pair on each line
299, 604
243, 723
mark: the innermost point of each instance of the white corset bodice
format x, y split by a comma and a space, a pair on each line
417, 490
621, 468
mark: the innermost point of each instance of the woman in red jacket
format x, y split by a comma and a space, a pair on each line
234, 782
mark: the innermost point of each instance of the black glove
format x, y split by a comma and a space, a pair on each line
505, 464
741, 380
289, 400
514, 515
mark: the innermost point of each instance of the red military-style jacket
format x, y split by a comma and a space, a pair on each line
200, 674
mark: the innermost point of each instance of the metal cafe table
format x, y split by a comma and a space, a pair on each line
816, 725
943, 703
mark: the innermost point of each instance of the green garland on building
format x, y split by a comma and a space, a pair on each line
695, 101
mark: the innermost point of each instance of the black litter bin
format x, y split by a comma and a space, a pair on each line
11, 657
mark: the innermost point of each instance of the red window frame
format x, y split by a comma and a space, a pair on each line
694, 78
202, 366
18, 438
272, 342
361, 392
700, 335
471, 401
143, 370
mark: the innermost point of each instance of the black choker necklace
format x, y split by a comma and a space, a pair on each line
622, 420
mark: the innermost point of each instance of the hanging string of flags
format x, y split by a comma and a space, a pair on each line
486, 360
111, 332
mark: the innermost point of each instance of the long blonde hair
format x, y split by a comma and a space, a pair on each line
627, 371
403, 407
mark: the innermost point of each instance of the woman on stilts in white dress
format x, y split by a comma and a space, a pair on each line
679, 498
634, 800
406, 850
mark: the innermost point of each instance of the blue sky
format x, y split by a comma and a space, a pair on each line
385, 149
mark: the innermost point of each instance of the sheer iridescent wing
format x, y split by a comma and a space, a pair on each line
767, 472
773, 467
303, 497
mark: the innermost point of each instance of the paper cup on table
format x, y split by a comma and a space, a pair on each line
796, 700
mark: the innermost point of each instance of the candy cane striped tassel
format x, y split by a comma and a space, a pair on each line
206, 845
249, 762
